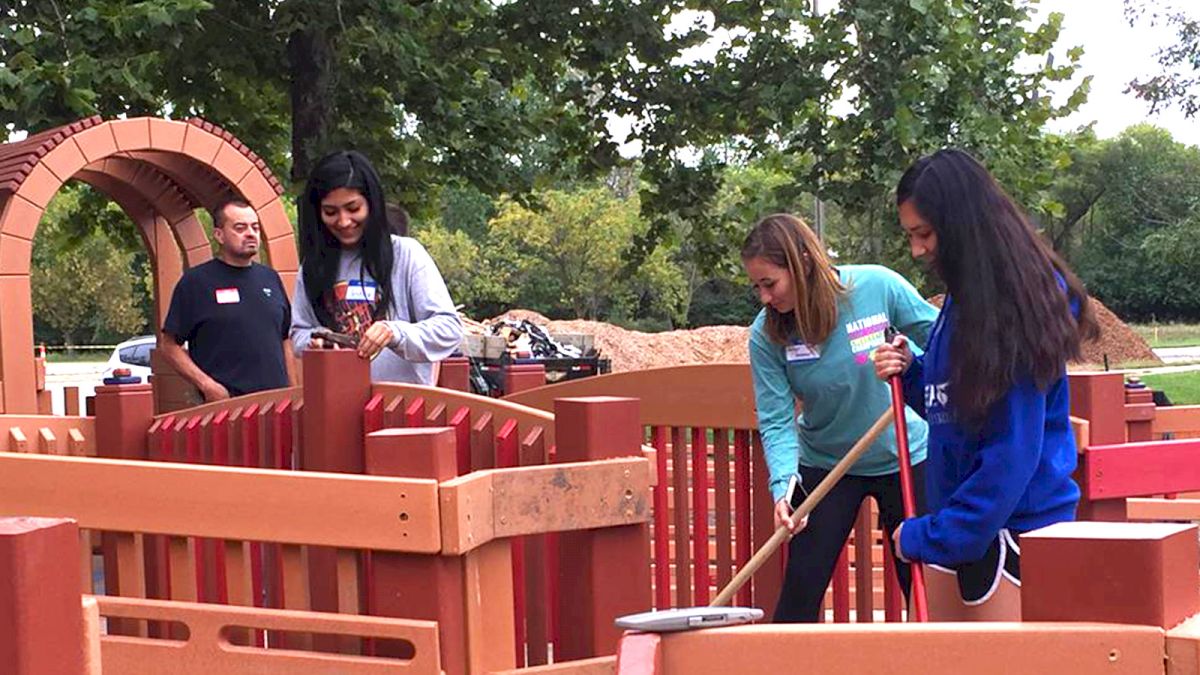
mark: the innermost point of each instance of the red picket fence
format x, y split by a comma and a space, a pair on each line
712, 505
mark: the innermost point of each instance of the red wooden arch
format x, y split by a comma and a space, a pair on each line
158, 171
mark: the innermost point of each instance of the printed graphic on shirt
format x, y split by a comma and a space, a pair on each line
351, 304
865, 335
937, 403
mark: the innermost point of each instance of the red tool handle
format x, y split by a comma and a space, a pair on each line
920, 607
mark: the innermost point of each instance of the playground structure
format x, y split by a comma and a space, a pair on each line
159, 172
350, 527
520, 563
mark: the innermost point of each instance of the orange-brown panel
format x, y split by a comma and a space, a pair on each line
208, 651
394, 514
711, 395
917, 649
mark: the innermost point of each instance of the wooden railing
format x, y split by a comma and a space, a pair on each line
712, 505
48, 434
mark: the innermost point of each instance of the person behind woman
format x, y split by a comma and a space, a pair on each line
992, 384
359, 279
813, 340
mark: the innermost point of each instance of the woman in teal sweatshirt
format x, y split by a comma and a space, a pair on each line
992, 384
813, 341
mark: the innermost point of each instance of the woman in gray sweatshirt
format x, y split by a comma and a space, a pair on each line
359, 279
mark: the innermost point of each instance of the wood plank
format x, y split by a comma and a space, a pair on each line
289, 507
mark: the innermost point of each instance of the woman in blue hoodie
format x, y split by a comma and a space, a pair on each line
992, 385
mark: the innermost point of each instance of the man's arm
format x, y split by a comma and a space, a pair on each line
183, 364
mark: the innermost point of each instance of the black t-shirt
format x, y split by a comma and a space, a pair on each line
234, 320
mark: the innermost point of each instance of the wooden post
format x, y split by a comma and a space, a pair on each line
1100, 399
1139, 413
124, 413
522, 376
456, 373
1136, 573
457, 592
337, 385
603, 573
40, 610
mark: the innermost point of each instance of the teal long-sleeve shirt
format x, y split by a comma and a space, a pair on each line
836, 382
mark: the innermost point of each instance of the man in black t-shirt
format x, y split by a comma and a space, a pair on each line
233, 314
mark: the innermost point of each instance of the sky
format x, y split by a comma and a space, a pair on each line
1114, 54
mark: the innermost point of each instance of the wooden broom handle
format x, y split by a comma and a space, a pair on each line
784, 532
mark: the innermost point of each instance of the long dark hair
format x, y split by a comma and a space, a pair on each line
319, 249
786, 241
1012, 317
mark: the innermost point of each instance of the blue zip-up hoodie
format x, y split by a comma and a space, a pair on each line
1014, 472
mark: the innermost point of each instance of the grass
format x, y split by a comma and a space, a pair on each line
1182, 388
78, 356
1169, 334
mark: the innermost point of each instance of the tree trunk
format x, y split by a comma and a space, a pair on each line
310, 62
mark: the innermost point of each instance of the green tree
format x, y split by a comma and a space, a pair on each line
1178, 81
1136, 235
85, 287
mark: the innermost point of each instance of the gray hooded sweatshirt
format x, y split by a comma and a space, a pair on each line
424, 323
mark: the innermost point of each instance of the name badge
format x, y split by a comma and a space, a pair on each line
228, 296
360, 291
802, 352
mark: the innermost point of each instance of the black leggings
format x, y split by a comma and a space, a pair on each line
814, 551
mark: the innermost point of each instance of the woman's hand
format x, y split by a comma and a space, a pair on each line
892, 359
783, 516
378, 336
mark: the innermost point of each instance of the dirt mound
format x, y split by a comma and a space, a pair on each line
522, 315
1120, 343
634, 350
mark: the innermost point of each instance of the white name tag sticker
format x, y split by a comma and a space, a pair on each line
228, 296
802, 352
360, 291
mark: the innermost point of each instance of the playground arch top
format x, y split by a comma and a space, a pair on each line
159, 172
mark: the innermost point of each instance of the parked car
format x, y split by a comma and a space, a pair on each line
133, 354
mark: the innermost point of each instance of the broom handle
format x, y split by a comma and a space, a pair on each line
907, 496
783, 533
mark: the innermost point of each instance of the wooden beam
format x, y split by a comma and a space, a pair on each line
395, 514
537, 499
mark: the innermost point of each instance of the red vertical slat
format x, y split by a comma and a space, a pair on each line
461, 422
893, 597
700, 516
436, 416
482, 443
192, 455
662, 537
373, 414
393, 413
552, 560
537, 609
679, 503
506, 457
841, 588
722, 509
414, 414
741, 490
285, 457
218, 444
251, 458
864, 565
769, 579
